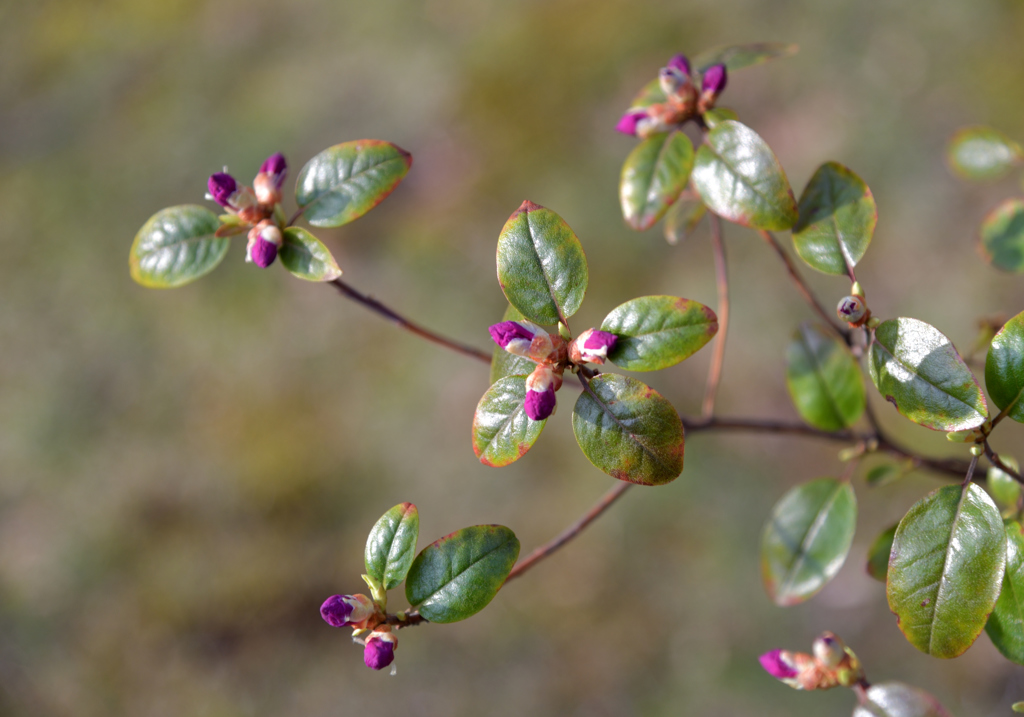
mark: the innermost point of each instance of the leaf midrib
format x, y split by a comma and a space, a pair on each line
341, 184
463, 571
648, 451
942, 575
809, 536
735, 172
913, 372
820, 375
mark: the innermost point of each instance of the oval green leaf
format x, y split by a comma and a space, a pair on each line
823, 378
655, 332
1005, 626
505, 364
878, 554
541, 265
1004, 368
502, 432
682, 219
740, 179
175, 246
716, 115
736, 57
982, 153
457, 576
895, 699
654, 175
946, 569
391, 545
806, 539
306, 257
629, 430
918, 370
1002, 236
345, 181
837, 220
1004, 488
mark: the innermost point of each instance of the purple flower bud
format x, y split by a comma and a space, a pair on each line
776, 666
269, 180
630, 120
829, 649
594, 345
540, 393
680, 63
380, 650
508, 331
222, 185
264, 240
851, 309
714, 79
276, 167
523, 338
342, 610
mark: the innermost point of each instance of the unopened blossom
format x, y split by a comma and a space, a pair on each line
380, 650
347, 610
592, 346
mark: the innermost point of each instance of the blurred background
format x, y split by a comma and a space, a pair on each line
185, 475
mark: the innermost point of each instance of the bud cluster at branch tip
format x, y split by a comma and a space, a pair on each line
592, 346
684, 100
833, 664
379, 651
354, 611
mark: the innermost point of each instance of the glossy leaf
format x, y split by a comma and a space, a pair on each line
717, 115
345, 181
306, 257
1002, 236
895, 699
1004, 488
458, 575
837, 220
505, 364
629, 430
918, 370
736, 57
878, 554
807, 538
1004, 368
541, 265
655, 332
502, 432
1005, 626
946, 569
654, 175
982, 153
682, 218
739, 178
391, 545
823, 378
175, 246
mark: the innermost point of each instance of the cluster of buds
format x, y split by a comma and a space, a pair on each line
833, 664
367, 621
254, 207
853, 309
552, 356
685, 98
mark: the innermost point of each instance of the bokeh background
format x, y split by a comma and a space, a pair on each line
185, 475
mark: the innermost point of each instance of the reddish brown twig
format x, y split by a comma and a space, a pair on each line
722, 281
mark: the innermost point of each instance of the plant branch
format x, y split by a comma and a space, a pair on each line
379, 308
1001, 464
801, 285
722, 281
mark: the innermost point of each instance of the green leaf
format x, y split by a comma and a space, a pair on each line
306, 257
837, 220
736, 57
806, 539
740, 179
1005, 626
458, 575
682, 219
505, 364
887, 473
1017, 707
1004, 368
653, 177
878, 554
629, 430
1002, 236
391, 545
919, 371
1004, 488
541, 265
345, 181
655, 332
175, 246
982, 153
895, 699
717, 115
502, 432
946, 569
823, 378
651, 94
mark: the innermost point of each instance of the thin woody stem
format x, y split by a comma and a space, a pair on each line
379, 308
801, 285
722, 281
1000, 463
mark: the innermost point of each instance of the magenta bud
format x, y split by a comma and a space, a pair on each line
714, 79
276, 167
342, 610
851, 309
222, 185
594, 345
776, 666
264, 241
508, 331
540, 392
380, 650
524, 338
680, 63
629, 122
